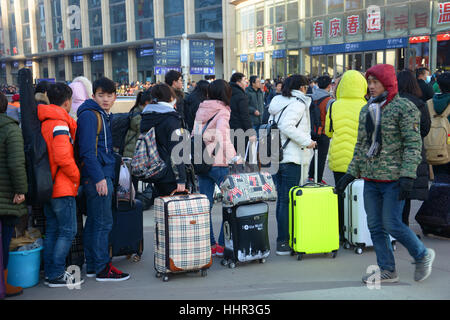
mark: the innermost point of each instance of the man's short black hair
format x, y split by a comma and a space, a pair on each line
105, 84
420, 71
237, 77
42, 87
172, 76
323, 82
58, 93
444, 82
253, 79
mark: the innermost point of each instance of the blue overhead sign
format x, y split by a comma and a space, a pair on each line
207, 71
202, 53
164, 70
244, 58
167, 53
278, 54
145, 52
259, 56
360, 46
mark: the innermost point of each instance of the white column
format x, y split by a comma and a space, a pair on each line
87, 66
158, 11
132, 65
189, 16
5, 23
19, 29
49, 30
33, 29
65, 27
68, 68
85, 24
106, 23
131, 25
36, 70
229, 38
107, 60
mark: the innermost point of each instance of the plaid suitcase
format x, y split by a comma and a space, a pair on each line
248, 188
182, 234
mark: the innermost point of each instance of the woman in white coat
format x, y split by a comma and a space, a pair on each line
291, 111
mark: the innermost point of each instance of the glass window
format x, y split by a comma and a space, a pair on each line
174, 17
95, 22
419, 21
280, 13
353, 4
58, 42
40, 26
260, 18
374, 3
209, 20
77, 69
305, 30
319, 7
144, 65
97, 66
199, 4
26, 28
2, 41
335, 6
12, 32
292, 11
144, 19
118, 21
60, 69
120, 66
441, 16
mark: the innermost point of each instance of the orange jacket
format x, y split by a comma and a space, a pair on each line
58, 130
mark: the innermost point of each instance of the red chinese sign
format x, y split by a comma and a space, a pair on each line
352, 25
318, 29
335, 28
259, 38
62, 44
373, 19
76, 42
444, 12
421, 20
14, 50
419, 39
443, 37
280, 34
251, 39
269, 37
401, 22
50, 46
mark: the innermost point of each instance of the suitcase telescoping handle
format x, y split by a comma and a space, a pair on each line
316, 169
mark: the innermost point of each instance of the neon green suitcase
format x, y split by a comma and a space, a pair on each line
313, 219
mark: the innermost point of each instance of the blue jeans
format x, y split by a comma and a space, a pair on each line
288, 176
384, 218
98, 226
60, 230
206, 185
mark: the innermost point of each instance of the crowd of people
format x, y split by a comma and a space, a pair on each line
370, 126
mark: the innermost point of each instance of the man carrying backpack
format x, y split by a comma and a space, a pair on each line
58, 130
321, 99
438, 152
97, 161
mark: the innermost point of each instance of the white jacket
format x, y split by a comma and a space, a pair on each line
298, 108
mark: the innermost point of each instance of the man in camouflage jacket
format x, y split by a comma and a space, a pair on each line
386, 156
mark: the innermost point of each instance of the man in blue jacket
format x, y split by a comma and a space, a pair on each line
94, 142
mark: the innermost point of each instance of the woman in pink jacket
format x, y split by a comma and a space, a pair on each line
216, 137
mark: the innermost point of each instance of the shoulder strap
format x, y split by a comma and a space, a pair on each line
207, 123
289, 139
331, 119
99, 128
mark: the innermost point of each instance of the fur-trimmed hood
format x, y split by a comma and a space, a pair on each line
82, 91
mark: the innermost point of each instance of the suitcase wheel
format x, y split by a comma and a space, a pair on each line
262, 260
165, 278
231, 265
224, 262
334, 254
347, 245
204, 273
158, 275
358, 250
299, 256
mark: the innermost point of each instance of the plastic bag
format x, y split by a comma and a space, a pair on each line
125, 189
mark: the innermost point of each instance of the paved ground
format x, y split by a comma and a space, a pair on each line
280, 278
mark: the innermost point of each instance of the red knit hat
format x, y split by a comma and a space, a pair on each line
16, 97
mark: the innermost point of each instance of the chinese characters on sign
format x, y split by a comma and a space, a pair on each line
167, 55
202, 56
444, 13
318, 29
251, 39
335, 28
269, 37
259, 38
352, 25
280, 34
373, 19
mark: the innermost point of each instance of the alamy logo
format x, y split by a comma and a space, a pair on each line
74, 282
374, 280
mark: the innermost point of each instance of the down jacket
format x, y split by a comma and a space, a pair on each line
59, 129
297, 108
13, 176
344, 115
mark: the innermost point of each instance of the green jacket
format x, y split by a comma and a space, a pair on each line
133, 132
255, 102
401, 143
13, 176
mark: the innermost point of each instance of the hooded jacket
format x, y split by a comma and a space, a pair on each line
344, 114
441, 102
58, 130
166, 121
95, 167
297, 108
401, 144
13, 175
218, 131
191, 104
81, 91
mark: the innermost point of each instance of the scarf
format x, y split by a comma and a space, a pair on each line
373, 124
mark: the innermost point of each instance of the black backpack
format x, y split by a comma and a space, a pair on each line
314, 113
40, 182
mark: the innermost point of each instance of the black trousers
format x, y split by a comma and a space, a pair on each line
337, 176
322, 147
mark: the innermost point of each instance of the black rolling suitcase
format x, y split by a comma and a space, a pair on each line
246, 233
127, 234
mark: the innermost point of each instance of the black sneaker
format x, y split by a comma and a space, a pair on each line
65, 280
283, 249
110, 273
